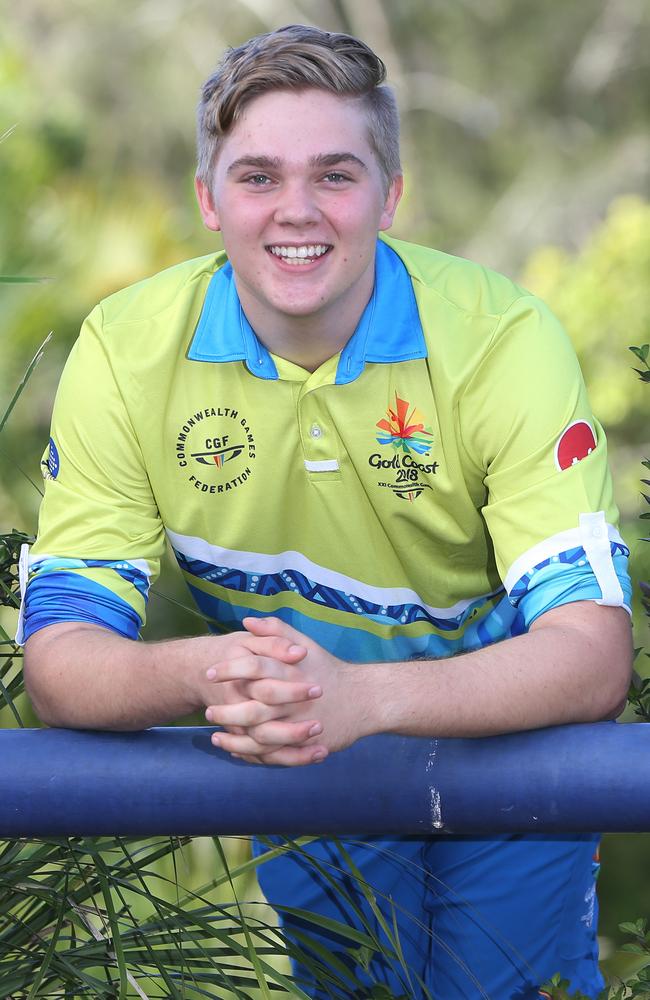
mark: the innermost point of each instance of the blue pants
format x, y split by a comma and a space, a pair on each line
458, 917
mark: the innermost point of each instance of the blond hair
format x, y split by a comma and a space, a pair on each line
298, 57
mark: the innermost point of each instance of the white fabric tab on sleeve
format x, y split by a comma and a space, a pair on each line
23, 574
329, 465
594, 534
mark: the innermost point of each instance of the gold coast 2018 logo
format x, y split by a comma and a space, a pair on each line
407, 443
215, 449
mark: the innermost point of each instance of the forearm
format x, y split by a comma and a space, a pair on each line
553, 675
82, 676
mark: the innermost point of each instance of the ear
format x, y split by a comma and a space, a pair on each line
207, 207
392, 201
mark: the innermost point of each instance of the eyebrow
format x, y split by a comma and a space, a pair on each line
274, 162
332, 159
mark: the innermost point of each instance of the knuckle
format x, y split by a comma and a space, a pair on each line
265, 734
269, 692
270, 669
261, 690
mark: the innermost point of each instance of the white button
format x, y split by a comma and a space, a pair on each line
597, 532
316, 431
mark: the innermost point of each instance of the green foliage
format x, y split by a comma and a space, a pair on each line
637, 983
639, 697
106, 917
10, 545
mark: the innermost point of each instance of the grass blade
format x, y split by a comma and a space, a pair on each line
30, 368
49, 954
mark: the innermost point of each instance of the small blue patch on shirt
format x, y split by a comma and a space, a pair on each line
53, 460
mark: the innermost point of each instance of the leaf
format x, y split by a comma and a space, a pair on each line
252, 953
8, 700
50, 950
641, 352
639, 926
7, 132
116, 939
21, 279
30, 368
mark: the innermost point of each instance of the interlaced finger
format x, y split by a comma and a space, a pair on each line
251, 667
285, 733
233, 743
289, 756
243, 713
276, 692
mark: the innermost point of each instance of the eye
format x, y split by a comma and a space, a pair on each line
335, 177
257, 180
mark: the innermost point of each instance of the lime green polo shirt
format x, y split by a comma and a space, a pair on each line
435, 486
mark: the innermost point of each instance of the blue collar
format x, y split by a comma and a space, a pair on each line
389, 329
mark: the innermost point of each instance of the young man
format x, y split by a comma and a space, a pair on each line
367, 456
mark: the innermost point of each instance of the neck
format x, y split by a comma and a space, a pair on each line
308, 344
309, 340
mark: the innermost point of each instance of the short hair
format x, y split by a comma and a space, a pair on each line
298, 57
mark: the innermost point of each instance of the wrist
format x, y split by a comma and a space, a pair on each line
397, 697
367, 691
179, 667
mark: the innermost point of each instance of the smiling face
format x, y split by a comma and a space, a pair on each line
299, 198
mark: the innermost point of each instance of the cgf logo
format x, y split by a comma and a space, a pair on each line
218, 451
210, 440
405, 438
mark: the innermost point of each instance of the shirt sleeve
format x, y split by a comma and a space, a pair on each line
100, 537
526, 423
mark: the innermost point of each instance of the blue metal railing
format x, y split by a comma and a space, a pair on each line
56, 782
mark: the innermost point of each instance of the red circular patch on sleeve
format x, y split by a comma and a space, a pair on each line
574, 444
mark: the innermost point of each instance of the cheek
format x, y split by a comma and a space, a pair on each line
239, 222
361, 222
239, 243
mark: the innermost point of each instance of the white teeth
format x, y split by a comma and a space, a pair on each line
302, 254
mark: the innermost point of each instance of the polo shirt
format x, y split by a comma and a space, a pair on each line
432, 488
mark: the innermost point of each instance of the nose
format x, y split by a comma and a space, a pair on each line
296, 205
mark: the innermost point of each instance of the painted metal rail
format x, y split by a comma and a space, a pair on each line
57, 782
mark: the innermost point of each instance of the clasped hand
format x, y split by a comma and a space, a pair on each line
276, 710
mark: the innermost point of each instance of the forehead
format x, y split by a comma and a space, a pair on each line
301, 124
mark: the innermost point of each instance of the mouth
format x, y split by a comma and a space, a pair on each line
298, 256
